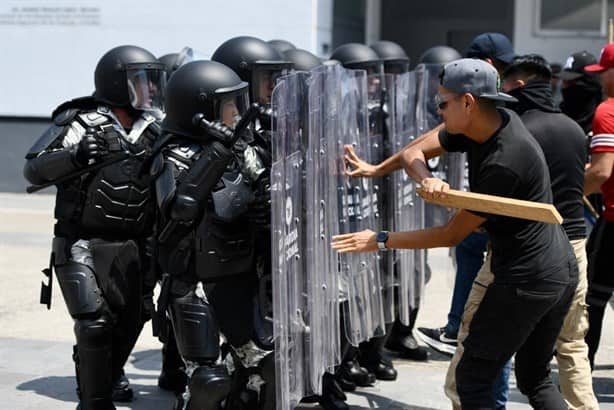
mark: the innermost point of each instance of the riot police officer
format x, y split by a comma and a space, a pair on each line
93, 153
281, 46
392, 55
257, 63
361, 57
206, 249
302, 60
439, 55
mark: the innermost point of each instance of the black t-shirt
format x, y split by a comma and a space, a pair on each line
564, 145
511, 164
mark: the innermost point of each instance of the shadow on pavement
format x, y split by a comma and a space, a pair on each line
381, 402
57, 387
147, 359
63, 389
604, 389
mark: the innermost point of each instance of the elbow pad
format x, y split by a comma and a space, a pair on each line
184, 209
205, 172
49, 167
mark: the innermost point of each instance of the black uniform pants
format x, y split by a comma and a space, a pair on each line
516, 318
599, 249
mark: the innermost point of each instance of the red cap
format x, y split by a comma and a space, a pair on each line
606, 60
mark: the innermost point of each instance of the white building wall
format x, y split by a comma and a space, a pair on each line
51, 47
553, 48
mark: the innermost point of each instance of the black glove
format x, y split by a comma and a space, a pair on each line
91, 146
259, 211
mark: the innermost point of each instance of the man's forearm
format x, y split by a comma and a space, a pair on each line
414, 164
396, 162
592, 182
438, 237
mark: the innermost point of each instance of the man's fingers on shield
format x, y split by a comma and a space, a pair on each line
342, 236
349, 149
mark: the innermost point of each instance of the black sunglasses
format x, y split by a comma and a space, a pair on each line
441, 103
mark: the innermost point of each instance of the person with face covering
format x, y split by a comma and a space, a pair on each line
581, 91
564, 146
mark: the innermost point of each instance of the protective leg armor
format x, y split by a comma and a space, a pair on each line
94, 356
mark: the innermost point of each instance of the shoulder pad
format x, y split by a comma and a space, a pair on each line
79, 104
44, 141
155, 128
66, 116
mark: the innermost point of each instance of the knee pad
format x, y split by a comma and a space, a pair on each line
196, 329
209, 386
93, 333
79, 288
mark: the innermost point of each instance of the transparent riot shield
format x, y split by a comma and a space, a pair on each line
289, 315
382, 123
322, 201
403, 192
300, 305
360, 272
427, 117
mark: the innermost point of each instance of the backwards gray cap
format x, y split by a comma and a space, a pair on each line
473, 76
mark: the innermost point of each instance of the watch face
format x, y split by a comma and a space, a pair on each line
382, 237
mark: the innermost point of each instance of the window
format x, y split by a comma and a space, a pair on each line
572, 17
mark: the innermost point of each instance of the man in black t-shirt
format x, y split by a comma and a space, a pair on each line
533, 263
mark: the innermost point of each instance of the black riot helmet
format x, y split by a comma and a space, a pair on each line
302, 60
394, 57
256, 62
439, 55
171, 63
130, 76
359, 57
281, 45
203, 87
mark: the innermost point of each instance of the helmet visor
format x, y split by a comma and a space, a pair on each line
231, 107
264, 78
146, 88
396, 67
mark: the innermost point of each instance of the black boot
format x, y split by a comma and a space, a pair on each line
351, 373
332, 398
402, 341
375, 360
121, 389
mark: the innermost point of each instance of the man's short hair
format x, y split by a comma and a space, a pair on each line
529, 67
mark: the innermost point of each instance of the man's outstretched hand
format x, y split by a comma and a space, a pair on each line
359, 167
363, 241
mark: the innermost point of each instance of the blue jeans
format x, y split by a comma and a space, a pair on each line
501, 388
469, 260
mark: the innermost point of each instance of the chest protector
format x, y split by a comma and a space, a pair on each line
224, 241
118, 198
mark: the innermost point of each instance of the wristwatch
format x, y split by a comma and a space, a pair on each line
382, 238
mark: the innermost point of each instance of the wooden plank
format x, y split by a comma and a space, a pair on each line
498, 205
